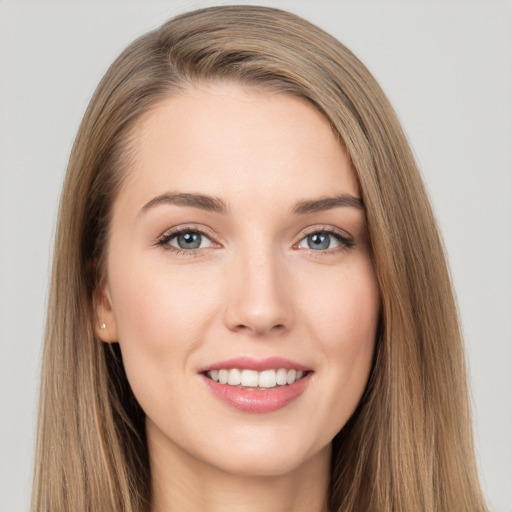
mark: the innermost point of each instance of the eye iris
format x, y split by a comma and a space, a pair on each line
189, 240
319, 241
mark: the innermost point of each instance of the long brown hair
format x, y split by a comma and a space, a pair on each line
408, 447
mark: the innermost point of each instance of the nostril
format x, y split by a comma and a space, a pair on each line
260, 329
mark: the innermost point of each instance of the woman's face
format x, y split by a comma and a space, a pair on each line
239, 253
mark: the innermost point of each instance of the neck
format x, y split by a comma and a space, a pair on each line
181, 483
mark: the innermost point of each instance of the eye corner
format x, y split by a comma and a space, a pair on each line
343, 241
198, 238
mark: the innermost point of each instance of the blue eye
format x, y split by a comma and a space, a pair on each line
323, 241
187, 240
319, 241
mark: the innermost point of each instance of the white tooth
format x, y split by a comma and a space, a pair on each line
223, 376
214, 375
249, 378
299, 375
291, 376
281, 376
234, 377
267, 379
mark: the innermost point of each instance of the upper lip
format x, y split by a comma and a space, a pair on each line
251, 363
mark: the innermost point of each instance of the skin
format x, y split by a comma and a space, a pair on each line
254, 288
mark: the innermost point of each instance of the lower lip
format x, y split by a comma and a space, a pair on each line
258, 400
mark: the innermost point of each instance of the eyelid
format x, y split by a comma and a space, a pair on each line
169, 234
346, 239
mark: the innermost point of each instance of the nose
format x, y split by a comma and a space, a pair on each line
259, 301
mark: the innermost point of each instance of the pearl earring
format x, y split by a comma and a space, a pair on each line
103, 326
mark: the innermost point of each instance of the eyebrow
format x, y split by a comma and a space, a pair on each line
327, 203
217, 205
193, 200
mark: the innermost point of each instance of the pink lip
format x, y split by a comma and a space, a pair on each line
249, 363
257, 400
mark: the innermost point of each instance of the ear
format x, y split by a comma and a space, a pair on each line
105, 324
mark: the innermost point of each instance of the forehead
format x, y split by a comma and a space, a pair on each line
239, 143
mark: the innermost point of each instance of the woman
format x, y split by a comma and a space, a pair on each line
250, 305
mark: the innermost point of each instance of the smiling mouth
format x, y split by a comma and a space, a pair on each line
252, 379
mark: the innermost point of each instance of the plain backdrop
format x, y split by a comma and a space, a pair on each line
447, 68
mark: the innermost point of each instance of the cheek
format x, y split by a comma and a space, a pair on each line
160, 309
346, 317
347, 309
162, 315
360, 317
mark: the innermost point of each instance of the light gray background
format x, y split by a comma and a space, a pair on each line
447, 68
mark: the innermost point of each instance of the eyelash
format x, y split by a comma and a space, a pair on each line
346, 241
164, 240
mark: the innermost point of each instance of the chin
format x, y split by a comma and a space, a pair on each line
269, 457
